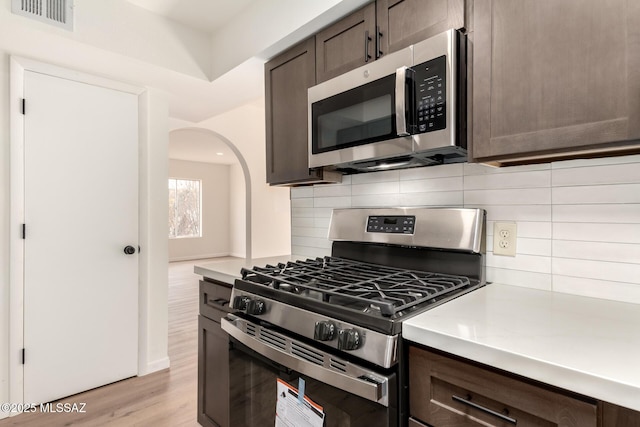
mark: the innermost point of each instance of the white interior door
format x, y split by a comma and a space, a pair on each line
81, 210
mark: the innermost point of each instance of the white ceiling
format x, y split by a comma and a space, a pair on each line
206, 16
197, 146
203, 15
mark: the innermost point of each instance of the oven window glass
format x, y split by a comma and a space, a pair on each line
253, 395
359, 116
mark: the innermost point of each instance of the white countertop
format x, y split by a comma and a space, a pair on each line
587, 345
228, 271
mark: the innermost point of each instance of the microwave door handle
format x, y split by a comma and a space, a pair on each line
401, 100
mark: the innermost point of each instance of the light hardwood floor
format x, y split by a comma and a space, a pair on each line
165, 398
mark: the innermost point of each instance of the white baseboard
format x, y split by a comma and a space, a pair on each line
200, 256
156, 365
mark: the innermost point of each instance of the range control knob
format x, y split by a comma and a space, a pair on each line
324, 331
256, 307
241, 302
348, 339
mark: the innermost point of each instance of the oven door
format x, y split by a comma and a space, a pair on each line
350, 395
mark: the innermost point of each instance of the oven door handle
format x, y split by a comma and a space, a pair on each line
365, 387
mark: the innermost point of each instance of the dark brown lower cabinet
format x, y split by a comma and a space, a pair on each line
615, 416
213, 356
447, 392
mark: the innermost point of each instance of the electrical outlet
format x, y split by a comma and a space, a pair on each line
504, 238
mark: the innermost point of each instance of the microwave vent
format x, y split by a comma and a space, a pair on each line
401, 162
54, 12
431, 157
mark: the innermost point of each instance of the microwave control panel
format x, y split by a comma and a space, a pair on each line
430, 95
391, 224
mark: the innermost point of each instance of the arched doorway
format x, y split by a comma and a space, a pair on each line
200, 145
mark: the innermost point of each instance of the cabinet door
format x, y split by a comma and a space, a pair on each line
552, 78
447, 392
213, 374
616, 416
405, 22
347, 44
287, 78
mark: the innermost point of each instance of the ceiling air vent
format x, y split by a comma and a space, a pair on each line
54, 12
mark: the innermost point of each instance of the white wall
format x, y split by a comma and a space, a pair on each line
237, 212
270, 214
267, 28
215, 239
149, 51
4, 228
578, 221
153, 342
120, 27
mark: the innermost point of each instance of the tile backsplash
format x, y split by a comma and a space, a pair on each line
578, 221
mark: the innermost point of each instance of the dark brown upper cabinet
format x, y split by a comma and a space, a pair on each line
554, 80
405, 22
287, 78
347, 44
380, 28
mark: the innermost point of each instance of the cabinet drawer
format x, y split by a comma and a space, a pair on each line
447, 392
214, 299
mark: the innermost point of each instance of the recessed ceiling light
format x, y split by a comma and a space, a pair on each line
220, 154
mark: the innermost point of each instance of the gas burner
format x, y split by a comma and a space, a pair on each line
374, 280
370, 288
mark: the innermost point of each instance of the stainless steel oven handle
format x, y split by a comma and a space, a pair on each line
401, 118
369, 390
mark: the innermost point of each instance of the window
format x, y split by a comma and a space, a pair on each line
184, 208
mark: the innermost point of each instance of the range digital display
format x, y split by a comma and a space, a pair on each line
391, 224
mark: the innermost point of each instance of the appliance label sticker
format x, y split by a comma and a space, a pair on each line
292, 412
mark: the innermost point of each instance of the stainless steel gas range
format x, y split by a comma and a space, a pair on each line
332, 326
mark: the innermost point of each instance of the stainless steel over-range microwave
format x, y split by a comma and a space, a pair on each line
405, 109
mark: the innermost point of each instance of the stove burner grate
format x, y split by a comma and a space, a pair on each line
342, 281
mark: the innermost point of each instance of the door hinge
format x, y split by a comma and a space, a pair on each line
24, 231
23, 356
24, 106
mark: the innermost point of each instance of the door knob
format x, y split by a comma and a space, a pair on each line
129, 250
